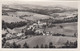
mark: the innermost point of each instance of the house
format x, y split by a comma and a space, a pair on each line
35, 24
47, 33
19, 34
39, 31
8, 36
38, 22
23, 37
44, 34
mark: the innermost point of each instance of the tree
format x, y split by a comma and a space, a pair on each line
75, 44
51, 45
70, 45
7, 45
37, 46
3, 41
29, 32
18, 46
61, 26
13, 24
14, 45
46, 46
75, 35
44, 26
25, 45
42, 46
4, 35
22, 31
4, 26
67, 43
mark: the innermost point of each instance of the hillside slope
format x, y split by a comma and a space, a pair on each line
38, 40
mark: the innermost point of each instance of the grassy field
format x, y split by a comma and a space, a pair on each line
10, 19
68, 28
38, 40
33, 16
30, 16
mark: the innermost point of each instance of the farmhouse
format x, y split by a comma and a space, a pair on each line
8, 35
19, 34
39, 31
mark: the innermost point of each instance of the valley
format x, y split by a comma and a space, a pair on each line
38, 26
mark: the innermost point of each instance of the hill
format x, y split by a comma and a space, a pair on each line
38, 40
10, 19
45, 10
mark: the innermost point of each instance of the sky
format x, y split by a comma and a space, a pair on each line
69, 3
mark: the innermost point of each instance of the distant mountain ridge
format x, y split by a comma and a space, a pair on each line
37, 8
58, 12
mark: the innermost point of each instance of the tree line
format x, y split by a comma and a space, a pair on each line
12, 25
65, 20
25, 45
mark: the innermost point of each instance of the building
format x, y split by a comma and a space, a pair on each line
19, 34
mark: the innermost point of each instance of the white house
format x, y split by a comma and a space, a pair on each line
9, 36
19, 34
39, 31
35, 24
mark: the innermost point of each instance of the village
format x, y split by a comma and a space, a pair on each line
20, 33
38, 27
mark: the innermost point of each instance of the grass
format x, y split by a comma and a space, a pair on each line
68, 28
38, 40
10, 19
